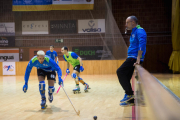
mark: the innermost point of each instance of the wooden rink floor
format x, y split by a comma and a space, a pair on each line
102, 100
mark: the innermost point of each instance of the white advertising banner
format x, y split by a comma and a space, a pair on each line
73, 1
9, 68
7, 28
9, 55
35, 27
91, 26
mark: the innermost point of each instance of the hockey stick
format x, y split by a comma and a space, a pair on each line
71, 102
63, 80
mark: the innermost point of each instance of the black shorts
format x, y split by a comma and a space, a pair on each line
50, 75
77, 68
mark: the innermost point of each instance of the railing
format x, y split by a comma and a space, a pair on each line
152, 97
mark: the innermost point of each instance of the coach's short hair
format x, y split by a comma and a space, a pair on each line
134, 18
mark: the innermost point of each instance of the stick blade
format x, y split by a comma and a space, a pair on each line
78, 113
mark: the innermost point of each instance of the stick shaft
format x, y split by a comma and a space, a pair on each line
70, 100
63, 80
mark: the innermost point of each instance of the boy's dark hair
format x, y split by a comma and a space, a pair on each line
52, 46
65, 48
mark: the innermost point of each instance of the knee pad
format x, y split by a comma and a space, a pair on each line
51, 89
42, 86
73, 75
80, 79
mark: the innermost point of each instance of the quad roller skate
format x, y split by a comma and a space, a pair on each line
86, 87
50, 97
76, 90
43, 103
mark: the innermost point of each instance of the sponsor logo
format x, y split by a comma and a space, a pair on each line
63, 26
91, 24
6, 28
27, 1
2, 25
45, 65
7, 41
86, 52
6, 57
133, 36
9, 67
93, 53
33, 26
3, 41
92, 30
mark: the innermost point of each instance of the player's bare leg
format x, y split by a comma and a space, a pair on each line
86, 86
75, 76
78, 79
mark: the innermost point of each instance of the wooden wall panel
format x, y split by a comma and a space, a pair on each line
1, 69
96, 67
105, 67
63, 66
93, 67
21, 68
120, 62
114, 66
88, 66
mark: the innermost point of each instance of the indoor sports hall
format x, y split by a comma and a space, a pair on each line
88, 78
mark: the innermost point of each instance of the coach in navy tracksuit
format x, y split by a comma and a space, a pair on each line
136, 53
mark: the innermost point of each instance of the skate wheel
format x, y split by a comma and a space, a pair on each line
44, 107
86, 91
76, 92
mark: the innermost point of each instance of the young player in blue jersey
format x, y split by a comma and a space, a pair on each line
45, 67
53, 55
76, 62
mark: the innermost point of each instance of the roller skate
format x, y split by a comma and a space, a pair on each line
50, 97
76, 90
43, 103
86, 87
